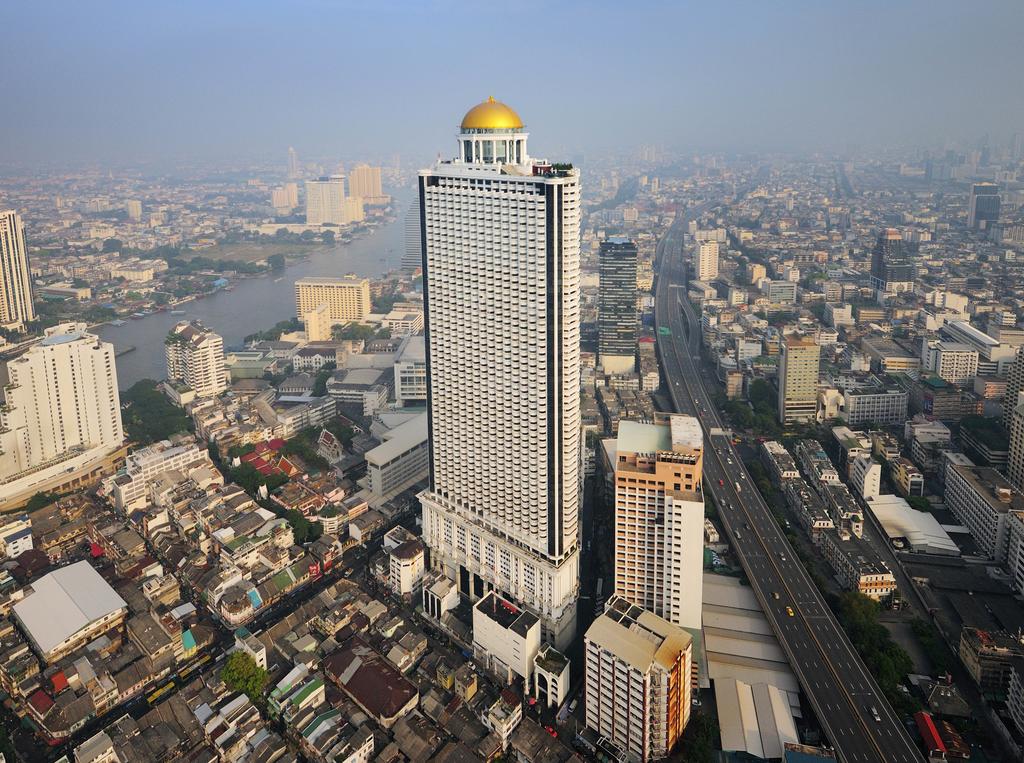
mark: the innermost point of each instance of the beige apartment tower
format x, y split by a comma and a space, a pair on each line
364, 183
347, 299
659, 517
15, 279
798, 380
637, 680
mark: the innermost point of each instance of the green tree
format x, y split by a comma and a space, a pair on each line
112, 245
149, 416
887, 660
276, 261
241, 673
353, 331
320, 382
919, 503
40, 500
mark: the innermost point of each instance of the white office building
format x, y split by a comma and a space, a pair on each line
16, 307
501, 288
195, 359
954, 362
129, 488
866, 476
402, 460
505, 637
982, 499
411, 372
61, 405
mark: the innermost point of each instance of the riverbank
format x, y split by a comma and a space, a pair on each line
253, 301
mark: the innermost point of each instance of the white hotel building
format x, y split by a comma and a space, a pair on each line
501, 259
60, 410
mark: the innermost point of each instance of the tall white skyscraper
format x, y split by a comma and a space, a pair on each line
706, 261
293, 164
195, 358
500, 256
15, 283
61, 402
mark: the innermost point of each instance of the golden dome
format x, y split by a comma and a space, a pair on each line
491, 115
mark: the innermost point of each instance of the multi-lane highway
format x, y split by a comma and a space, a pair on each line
850, 707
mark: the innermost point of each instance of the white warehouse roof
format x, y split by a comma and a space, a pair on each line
922, 531
65, 601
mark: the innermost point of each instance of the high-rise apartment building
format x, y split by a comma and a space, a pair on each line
637, 679
134, 209
1015, 460
501, 259
16, 307
412, 257
293, 164
347, 299
195, 359
659, 517
325, 201
364, 183
983, 206
285, 198
798, 380
616, 310
706, 261
1014, 386
892, 268
61, 403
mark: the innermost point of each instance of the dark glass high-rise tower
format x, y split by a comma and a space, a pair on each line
983, 207
616, 309
892, 269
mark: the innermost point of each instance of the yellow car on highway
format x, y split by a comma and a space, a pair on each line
789, 611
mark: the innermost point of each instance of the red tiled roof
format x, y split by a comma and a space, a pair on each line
60, 683
41, 702
930, 734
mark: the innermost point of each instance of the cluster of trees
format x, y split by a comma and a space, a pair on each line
149, 416
353, 331
762, 411
932, 646
249, 478
273, 334
241, 674
700, 740
320, 381
887, 660
385, 302
303, 445
304, 530
919, 503
341, 430
283, 235
40, 500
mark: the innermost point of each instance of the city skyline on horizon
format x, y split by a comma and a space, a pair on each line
736, 78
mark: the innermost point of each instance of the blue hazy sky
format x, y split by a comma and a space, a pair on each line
204, 80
